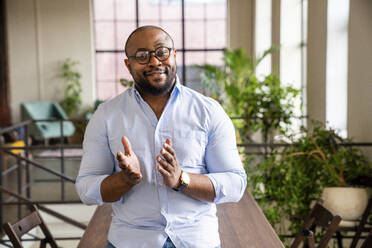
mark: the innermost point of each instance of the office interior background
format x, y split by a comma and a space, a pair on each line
325, 49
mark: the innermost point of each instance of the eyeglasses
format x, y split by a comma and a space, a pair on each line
143, 56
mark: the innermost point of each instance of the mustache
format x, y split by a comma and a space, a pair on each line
156, 70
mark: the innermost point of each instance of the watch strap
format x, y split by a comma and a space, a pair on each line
182, 185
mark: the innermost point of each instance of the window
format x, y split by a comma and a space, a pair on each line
191, 23
336, 68
263, 36
293, 37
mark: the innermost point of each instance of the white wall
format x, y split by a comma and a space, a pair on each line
41, 34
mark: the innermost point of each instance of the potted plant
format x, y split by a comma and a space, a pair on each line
261, 104
71, 102
291, 178
72, 92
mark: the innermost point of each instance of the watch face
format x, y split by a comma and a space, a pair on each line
185, 178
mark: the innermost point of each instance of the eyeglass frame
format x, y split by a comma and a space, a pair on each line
150, 52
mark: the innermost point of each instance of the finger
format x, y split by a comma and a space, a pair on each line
120, 156
165, 164
168, 141
170, 159
170, 149
127, 145
121, 159
124, 165
163, 171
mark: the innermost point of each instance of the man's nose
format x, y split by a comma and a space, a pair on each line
153, 60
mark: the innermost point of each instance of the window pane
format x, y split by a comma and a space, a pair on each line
215, 58
193, 78
149, 22
216, 39
336, 71
103, 9
105, 90
194, 34
104, 35
123, 30
195, 58
194, 10
105, 63
122, 71
263, 35
149, 10
192, 72
216, 10
174, 29
179, 57
171, 10
125, 9
290, 35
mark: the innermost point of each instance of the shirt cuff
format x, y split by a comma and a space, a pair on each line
228, 186
94, 192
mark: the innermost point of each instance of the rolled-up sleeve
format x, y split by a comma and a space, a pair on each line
97, 162
225, 169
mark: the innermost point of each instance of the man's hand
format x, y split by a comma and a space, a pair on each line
129, 163
168, 166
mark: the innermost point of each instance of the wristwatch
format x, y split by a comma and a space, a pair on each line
184, 181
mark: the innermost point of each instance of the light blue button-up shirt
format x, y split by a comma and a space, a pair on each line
203, 137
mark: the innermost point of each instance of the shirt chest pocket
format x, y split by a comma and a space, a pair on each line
190, 148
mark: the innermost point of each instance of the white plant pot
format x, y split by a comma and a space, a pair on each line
348, 202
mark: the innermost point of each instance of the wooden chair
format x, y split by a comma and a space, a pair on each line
17, 230
368, 242
319, 216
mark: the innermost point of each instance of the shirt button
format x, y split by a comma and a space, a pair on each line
163, 211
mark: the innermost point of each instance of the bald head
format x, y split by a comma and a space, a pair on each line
139, 30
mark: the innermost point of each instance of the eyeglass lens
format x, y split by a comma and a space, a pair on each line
161, 53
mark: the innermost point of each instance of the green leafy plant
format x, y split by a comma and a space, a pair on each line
264, 104
125, 82
292, 177
72, 92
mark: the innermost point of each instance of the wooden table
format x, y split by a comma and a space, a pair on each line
241, 224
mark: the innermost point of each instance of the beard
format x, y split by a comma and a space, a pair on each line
156, 90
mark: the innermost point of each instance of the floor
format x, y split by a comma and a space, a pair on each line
46, 187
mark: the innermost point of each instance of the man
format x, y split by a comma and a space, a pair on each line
161, 154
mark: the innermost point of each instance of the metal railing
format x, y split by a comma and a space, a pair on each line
25, 162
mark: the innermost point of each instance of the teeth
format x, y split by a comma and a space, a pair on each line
155, 72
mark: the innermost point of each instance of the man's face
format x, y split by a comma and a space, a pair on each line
155, 77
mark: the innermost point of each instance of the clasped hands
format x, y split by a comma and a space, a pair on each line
168, 164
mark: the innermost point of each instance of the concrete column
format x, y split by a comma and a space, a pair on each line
360, 73
241, 24
275, 36
316, 60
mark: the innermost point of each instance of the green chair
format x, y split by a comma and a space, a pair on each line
44, 130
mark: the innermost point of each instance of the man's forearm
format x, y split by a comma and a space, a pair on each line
200, 188
114, 187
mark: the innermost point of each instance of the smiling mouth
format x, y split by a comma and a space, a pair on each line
155, 72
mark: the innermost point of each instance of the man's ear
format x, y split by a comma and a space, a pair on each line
127, 64
175, 52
